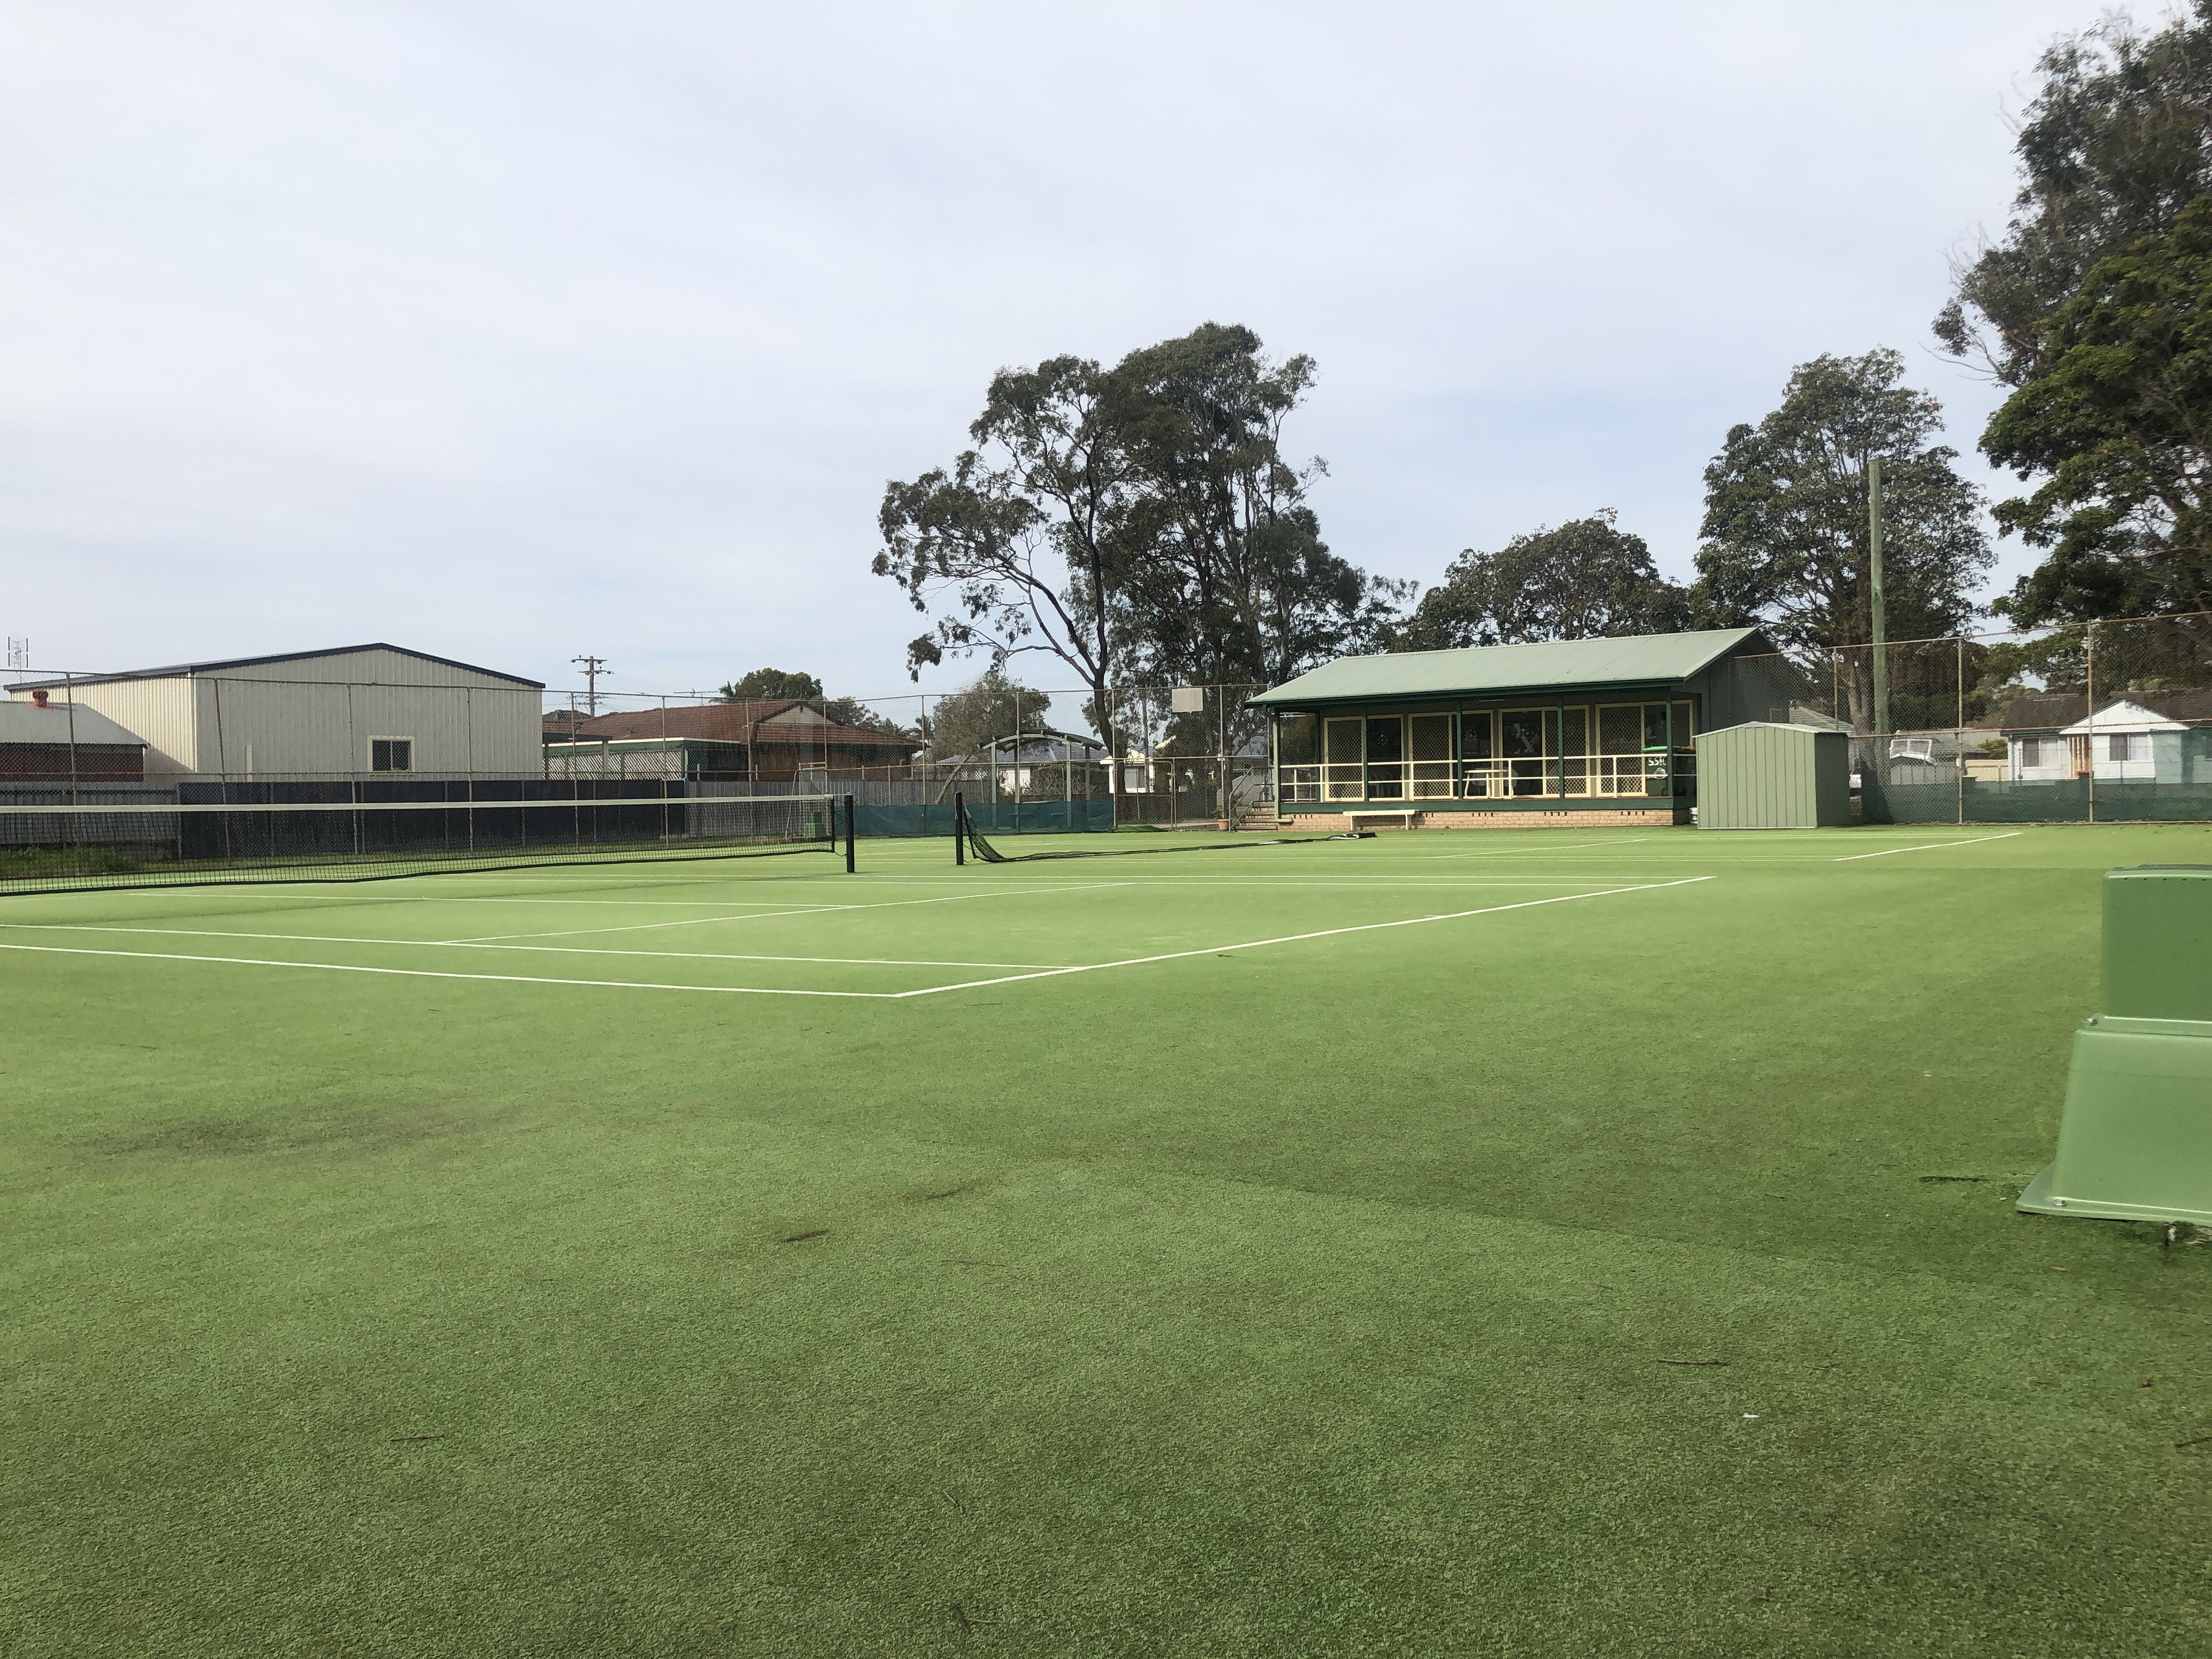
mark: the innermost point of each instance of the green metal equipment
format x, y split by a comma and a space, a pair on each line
2136, 1141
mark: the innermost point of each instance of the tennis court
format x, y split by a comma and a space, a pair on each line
1481, 1243
913, 926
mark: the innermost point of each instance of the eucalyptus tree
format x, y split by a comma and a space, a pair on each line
2093, 307
1005, 548
1226, 577
1785, 537
1586, 579
1137, 523
2111, 150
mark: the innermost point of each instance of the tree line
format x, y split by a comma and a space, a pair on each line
1145, 522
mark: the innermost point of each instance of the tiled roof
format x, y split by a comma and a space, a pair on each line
728, 722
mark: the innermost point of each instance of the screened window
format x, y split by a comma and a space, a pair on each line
1431, 739
392, 754
1341, 772
1297, 759
2128, 746
1386, 756
1526, 737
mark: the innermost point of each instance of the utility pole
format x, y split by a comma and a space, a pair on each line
592, 667
1880, 621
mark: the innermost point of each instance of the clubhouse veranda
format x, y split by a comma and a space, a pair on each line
1570, 733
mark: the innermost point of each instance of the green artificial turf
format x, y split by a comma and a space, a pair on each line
1247, 1299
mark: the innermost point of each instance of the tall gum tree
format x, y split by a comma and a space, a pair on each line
1138, 522
2117, 424
1589, 579
2091, 306
1785, 537
1006, 546
1227, 579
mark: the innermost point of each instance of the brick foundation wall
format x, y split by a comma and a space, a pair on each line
1565, 817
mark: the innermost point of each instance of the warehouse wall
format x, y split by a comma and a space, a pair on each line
319, 714
159, 712
315, 716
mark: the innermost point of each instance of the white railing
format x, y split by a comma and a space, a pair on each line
1642, 775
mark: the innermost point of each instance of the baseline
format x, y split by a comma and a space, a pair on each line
772, 915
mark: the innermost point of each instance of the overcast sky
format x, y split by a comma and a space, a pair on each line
514, 332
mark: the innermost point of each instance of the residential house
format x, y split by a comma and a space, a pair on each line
2142, 737
781, 740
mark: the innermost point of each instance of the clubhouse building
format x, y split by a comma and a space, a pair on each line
1565, 732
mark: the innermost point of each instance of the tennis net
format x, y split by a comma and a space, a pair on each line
298, 833
969, 841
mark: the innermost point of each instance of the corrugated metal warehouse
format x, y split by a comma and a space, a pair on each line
312, 715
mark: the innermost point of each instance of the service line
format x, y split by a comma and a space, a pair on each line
771, 916
1930, 846
1513, 852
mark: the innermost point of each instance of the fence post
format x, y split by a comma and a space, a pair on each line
2089, 679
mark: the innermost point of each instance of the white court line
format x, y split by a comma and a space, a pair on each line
1293, 939
810, 911
432, 973
470, 944
1931, 847
626, 903
1366, 883
1510, 852
863, 996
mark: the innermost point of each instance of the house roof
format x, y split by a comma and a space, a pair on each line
783, 723
2058, 711
183, 670
1485, 670
25, 722
2126, 714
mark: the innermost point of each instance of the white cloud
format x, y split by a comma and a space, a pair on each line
511, 332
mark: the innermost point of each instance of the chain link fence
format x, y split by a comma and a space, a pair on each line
2098, 722
1180, 755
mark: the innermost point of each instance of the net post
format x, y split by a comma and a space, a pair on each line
959, 827
850, 831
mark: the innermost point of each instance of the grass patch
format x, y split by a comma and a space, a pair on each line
710, 1261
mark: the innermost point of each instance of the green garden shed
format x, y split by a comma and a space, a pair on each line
1763, 775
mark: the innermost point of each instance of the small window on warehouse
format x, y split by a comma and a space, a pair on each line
392, 754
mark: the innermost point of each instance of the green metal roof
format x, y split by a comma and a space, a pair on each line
1490, 669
